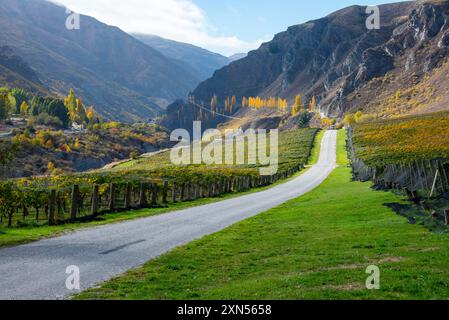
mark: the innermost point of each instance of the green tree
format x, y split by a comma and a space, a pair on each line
304, 119
57, 109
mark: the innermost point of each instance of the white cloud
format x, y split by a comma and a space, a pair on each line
179, 20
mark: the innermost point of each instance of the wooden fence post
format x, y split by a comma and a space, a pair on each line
221, 188
201, 187
154, 194
426, 180
214, 189
112, 197
445, 177
128, 195
190, 192
52, 208
197, 190
94, 208
164, 193
183, 192
210, 189
446, 217
143, 195
174, 192
75, 197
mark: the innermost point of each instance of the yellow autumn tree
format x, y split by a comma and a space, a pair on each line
24, 109
297, 104
312, 104
358, 115
349, 120
90, 113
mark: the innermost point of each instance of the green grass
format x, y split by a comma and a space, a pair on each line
315, 154
314, 247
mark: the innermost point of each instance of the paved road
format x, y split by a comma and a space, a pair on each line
5, 134
38, 270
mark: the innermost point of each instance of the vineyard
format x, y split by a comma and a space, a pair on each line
410, 154
401, 140
142, 183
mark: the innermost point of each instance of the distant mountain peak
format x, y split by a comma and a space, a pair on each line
201, 62
237, 56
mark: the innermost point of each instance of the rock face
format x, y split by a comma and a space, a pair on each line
125, 79
337, 58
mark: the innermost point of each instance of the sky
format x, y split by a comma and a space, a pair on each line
222, 26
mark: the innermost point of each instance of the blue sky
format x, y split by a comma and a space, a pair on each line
255, 19
226, 26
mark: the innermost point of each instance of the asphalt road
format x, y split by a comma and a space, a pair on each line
5, 134
38, 270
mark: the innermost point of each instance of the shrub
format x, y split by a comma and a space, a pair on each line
46, 120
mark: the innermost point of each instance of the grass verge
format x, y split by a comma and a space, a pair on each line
315, 247
316, 150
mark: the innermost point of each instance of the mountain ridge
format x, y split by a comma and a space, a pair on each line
122, 77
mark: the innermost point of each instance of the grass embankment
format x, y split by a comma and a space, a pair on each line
15, 236
314, 247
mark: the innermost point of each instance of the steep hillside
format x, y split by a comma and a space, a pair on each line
344, 65
17, 73
121, 76
203, 63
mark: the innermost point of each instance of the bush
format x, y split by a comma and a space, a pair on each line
46, 120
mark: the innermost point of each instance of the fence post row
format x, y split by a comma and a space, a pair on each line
428, 175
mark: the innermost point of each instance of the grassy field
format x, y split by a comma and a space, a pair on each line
15, 236
314, 247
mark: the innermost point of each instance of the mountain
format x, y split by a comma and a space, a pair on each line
124, 78
400, 68
237, 56
17, 73
202, 63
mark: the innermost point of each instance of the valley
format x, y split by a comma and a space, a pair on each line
160, 157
